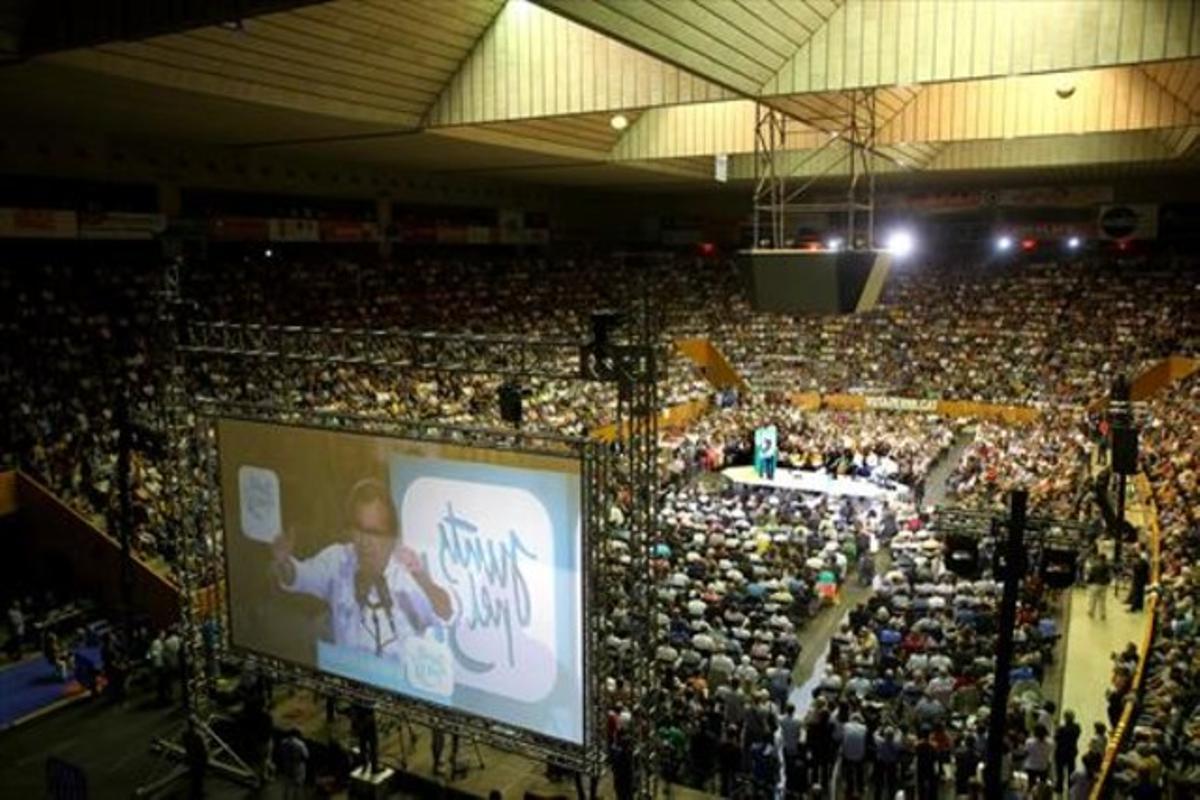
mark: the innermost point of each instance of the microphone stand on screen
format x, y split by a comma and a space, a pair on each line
376, 634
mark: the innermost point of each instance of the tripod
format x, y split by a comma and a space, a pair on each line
222, 760
456, 769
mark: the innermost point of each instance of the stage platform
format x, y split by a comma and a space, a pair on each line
818, 483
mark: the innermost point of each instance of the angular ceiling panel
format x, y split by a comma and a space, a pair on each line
365, 60
1098, 101
533, 63
899, 42
529, 88
719, 41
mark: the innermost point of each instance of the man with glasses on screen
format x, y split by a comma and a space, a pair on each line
378, 591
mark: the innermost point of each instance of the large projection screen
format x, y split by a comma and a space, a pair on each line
438, 572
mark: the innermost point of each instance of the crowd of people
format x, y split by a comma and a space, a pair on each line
1053, 333
902, 698
1050, 457
741, 571
1161, 756
877, 445
89, 333
904, 695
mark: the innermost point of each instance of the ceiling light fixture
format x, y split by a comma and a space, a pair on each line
619, 122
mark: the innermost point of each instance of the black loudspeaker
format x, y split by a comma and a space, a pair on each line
1124, 450
510, 403
962, 555
1058, 567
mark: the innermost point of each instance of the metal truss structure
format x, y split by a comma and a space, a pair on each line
194, 351
851, 137
1017, 541
1040, 530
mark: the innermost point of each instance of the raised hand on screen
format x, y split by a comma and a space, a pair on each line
409, 559
281, 547
281, 554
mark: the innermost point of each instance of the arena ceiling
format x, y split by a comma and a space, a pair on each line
528, 89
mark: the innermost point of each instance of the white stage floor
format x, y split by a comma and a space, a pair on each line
817, 482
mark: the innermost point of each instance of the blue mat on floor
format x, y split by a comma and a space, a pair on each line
32, 685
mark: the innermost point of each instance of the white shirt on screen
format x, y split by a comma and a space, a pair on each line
329, 575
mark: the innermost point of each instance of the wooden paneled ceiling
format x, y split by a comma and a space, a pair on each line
381, 61
739, 44
528, 89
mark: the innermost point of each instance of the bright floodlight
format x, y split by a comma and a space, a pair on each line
1073, 243
1004, 243
901, 243
833, 243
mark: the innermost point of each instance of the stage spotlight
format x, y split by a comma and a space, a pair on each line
901, 243
1073, 243
1004, 243
834, 243
619, 122
268, 252
1028, 244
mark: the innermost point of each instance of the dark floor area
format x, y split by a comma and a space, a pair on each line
110, 744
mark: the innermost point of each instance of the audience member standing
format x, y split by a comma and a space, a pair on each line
1099, 577
854, 754
172, 658
927, 768
790, 728
292, 755
1066, 750
156, 660
1084, 779
1038, 752
16, 628
1138, 581
886, 776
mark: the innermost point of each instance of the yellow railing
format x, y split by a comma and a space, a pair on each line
8, 492
712, 362
1119, 732
946, 408
676, 416
93, 553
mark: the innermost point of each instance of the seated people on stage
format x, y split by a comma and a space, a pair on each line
870, 444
